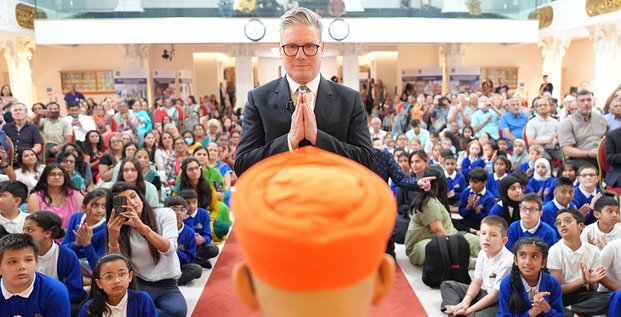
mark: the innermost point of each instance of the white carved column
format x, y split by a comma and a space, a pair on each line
129, 6
553, 50
606, 41
18, 53
244, 79
351, 68
451, 55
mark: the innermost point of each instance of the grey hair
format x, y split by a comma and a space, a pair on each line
300, 16
18, 103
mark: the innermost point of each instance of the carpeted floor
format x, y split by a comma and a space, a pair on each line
219, 298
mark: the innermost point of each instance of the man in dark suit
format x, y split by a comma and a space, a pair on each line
612, 152
302, 108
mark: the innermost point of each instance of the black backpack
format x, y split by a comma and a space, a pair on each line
446, 258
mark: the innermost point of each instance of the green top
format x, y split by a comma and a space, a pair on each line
419, 230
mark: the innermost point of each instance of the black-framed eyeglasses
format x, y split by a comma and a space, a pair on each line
293, 49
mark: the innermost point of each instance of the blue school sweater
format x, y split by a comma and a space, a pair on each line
68, 270
457, 183
492, 184
534, 186
200, 222
186, 245
49, 297
549, 214
548, 284
467, 165
525, 166
139, 304
93, 251
487, 202
580, 199
615, 304
543, 232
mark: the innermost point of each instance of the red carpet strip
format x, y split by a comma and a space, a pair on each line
219, 297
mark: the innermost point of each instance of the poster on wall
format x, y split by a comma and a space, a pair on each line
130, 83
424, 80
185, 84
164, 83
464, 79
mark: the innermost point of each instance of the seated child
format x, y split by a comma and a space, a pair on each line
55, 261
606, 228
106, 293
474, 153
529, 290
490, 151
530, 224
18, 264
493, 264
12, 195
563, 198
501, 166
456, 180
568, 170
611, 257
540, 182
186, 249
199, 220
586, 193
520, 155
535, 152
475, 202
436, 157
511, 194
86, 234
576, 266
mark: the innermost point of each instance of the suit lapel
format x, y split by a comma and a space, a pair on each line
282, 95
323, 104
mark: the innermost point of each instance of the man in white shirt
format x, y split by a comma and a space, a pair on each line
80, 123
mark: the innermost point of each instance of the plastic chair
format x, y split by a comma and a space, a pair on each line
602, 164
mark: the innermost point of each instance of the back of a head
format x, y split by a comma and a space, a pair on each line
313, 228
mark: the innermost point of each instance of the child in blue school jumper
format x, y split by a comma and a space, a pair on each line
199, 220
530, 224
186, 242
615, 304
529, 290
586, 193
535, 152
113, 286
501, 166
56, 261
86, 232
568, 170
18, 263
563, 197
475, 202
474, 157
456, 180
541, 180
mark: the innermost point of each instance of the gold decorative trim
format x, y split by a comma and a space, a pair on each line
25, 15
599, 7
545, 15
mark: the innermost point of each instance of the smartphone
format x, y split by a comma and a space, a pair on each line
117, 204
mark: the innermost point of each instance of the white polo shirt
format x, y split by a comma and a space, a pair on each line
493, 270
610, 257
561, 257
15, 225
593, 229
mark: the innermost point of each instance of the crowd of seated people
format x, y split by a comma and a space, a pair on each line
521, 184
115, 191
121, 191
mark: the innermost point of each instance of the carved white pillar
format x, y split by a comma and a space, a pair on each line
553, 50
244, 81
606, 41
18, 53
129, 6
351, 68
451, 55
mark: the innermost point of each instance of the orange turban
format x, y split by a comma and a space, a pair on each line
312, 220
